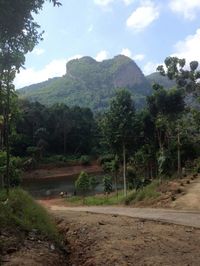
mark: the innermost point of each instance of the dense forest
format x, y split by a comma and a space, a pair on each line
156, 141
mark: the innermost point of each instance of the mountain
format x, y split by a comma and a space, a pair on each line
156, 77
90, 83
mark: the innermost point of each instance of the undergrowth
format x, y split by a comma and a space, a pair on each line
22, 213
111, 199
148, 192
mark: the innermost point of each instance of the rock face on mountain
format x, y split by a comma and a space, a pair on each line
91, 84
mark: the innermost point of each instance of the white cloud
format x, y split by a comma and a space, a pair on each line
128, 2
189, 48
102, 55
150, 67
38, 51
55, 68
187, 8
126, 52
139, 57
143, 16
103, 2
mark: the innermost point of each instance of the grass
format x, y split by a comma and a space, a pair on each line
97, 200
22, 213
148, 192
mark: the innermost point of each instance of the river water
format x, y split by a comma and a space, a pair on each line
51, 187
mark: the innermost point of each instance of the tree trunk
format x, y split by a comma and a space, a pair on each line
124, 169
178, 154
116, 189
7, 135
64, 138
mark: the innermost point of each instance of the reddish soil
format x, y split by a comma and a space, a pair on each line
62, 171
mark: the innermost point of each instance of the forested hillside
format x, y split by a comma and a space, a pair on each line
92, 84
162, 80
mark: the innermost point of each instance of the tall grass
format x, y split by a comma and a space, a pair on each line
21, 212
97, 200
148, 192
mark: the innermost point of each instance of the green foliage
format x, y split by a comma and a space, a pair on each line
97, 200
93, 182
90, 83
15, 170
55, 130
185, 78
117, 125
107, 184
82, 184
20, 211
157, 78
106, 158
85, 160
148, 192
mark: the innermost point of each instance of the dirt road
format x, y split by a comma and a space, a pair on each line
112, 240
187, 218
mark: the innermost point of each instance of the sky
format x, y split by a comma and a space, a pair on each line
145, 30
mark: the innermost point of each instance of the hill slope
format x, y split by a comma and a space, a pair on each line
162, 80
91, 83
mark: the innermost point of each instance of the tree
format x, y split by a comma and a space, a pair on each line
18, 36
185, 78
118, 127
82, 184
112, 167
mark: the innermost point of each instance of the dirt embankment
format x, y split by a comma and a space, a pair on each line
56, 172
191, 198
19, 249
97, 239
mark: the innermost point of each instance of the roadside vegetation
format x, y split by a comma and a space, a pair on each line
20, 212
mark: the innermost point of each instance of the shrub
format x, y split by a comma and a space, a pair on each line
107, 184
82, 184
148, 192
106, 158
93, 182
15, 169
85, 160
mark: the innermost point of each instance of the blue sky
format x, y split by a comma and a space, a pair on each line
146, 30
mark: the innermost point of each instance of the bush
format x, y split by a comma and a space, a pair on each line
148, 192
22, 212
15, 169
82, 184
93, 182
107, 184
197, 166
85, 160
106, 158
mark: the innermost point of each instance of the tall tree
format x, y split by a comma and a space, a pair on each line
118, 127
19, 33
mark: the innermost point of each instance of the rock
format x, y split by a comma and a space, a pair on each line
11, 250
101, 223
52, 247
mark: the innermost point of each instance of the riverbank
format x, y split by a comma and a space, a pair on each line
49, 172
